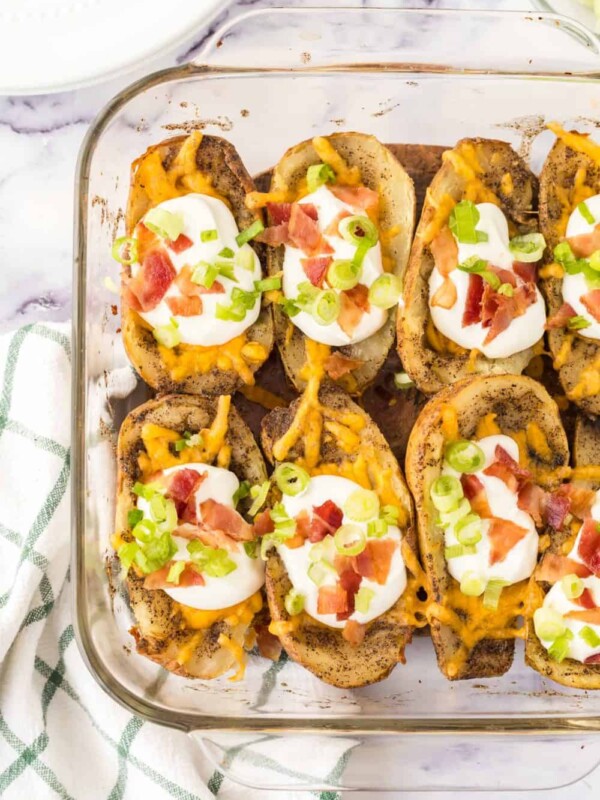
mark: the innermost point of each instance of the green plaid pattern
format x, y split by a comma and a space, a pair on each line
60, 735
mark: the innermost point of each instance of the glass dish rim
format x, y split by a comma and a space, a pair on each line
190, 722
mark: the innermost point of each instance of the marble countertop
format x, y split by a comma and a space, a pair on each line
40, 139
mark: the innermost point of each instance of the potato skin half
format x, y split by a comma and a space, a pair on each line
381, 171
430, 370
515, 400
217, 158
557, 178
160, 631
318, 648
586, 451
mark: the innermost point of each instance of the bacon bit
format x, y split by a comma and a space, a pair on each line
354, 632
217, 516
311, 210
180, 244
595, 659
332, 600
185, 306
147, 240
316, 268
586, 243
181, 486
357, 197
591, 301
187, 287
504, 275
359, 295
581, 499
475, 494
505, 458
503, 473
375, 560
279, 212
350, 582
472, 312
338, 364
445, 252
532, 499
147, 289
268, 645
586, 599
189, 513
554, 567
503, 535
561, 317
211, 538
263, 523
589, 545
498, 310
445, 296
327, 518
556, 509
350, 314
304, 232
158, 579
589, 615
333, 228
526, 271
303, 524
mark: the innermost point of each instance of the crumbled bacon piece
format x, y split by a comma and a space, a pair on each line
588, 548
556, 508
445, 296
475, 494
182, 486
357, 197
188, 288
554, 567
586, 243
158, 579
503, 535
350, 582
315, 268
352, 308
445, 252
147, 289
375, 560
181, 244
326, 518
224, 518
591, 301
184, 306
263, 523
337, 365
332, 600
472, 312
354, 632
561, 318
526, 271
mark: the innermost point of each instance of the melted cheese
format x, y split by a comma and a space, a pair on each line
538, 441
441, 212
440, 343
580, 142
449, 423
487, 426
350, 176
264, 398
236, 355
237, 651
241, 612
553, 270
472, 360
588, 381
564, 352
465, 161
506, 184
256, 200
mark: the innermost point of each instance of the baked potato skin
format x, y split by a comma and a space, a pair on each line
432, 371
381, 171
316, 647
586, 452
160, 630
515, 400
558, 178
217, 158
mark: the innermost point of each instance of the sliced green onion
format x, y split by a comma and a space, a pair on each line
578, 323
559, 649
175, 571
209, 235
385, 291
326, 307
491, 596
563, 253
590, 637
585, 212
127, 553
350, 540
144, 530
226, 252
167, 335
134, 516
158, 508
320, 571
361, 505
506, 289
458, 550
362, 599
464, 456
528, 247
463, 221
230, 313
358, 230
472, 584
226, 269
446, 492
449, 518
188, 440
290, 478
213, 561
390, 513
294, 602
317, 175
205, 274
402, 381
251, 549
268, 284
242, 491
249, 233
259, 494
468, 530
129, 244
359, 254
241, 302
164, 223
324, 550
594, 261
148, 490
548, 623
377, 528
477, 266
246, 258
343, 274
171, 518
572, 586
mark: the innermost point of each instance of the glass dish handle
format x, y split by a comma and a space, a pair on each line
436, 40
400, 762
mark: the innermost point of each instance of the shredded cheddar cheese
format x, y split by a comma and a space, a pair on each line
472, 361
441, 211
449, 422
465, 161
538, 442
506, 184
580, 142
256, 200
588, 382
237, 355
350, 176
564, 352
552, 270
237, 651
264, 398
440, 343
487, 426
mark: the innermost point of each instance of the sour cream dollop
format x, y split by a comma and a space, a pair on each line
248, 577
297, 560
575, 286
328, 207
523, 331
200, 213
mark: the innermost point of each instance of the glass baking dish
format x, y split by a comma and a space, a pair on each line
427, 77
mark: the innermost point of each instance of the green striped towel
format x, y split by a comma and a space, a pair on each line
60, 734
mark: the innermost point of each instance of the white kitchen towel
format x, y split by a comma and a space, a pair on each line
60, 734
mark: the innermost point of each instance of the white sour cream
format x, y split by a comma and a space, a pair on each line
574, 286
297, 562
328, 207
522, 558
523, 331
201, 213
216, 593
557, 600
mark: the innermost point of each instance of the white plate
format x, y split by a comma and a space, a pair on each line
52, 45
